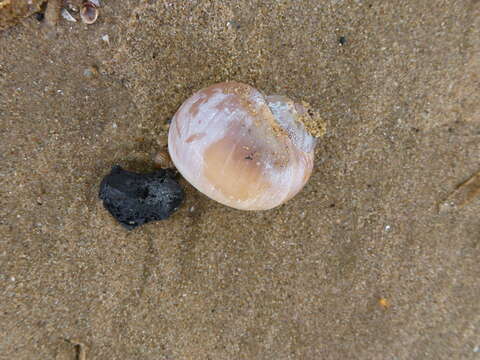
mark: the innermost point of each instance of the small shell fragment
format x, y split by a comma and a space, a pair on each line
462, 195
91, 72
384, 303
67, 16
89, 12
162, 160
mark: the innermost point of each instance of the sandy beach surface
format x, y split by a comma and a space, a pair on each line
361, 264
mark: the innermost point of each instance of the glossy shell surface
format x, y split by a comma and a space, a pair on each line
241, 148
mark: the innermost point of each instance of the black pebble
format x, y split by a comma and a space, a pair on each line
342, 40
136, 199
39, 16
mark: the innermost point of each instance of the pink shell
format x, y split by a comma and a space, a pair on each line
227, 142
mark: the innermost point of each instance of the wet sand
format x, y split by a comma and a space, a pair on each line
359, 265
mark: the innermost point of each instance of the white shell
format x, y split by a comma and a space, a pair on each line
67, 16
240, 148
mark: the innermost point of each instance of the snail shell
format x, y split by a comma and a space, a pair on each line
89, 12
241, 148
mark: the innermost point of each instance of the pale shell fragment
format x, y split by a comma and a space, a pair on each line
67, 16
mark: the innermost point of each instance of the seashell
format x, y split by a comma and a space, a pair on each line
89, 12
162, 160
67, 16
242, 148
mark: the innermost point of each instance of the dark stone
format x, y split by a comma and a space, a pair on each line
39, 16
342, 40
135, 199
